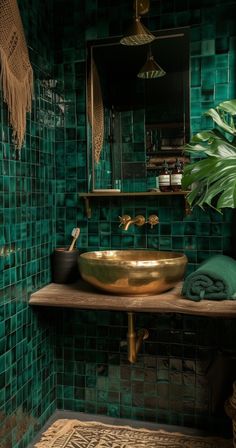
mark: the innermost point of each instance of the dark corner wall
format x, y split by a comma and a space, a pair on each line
77, 360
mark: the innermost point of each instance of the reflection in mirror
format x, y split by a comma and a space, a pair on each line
134, 123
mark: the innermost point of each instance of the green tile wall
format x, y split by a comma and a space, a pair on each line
212, 48
27, 236
169, 384
181, 377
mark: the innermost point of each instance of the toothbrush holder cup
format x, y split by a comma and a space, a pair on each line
65, 265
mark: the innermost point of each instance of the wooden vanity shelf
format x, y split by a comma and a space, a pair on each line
90, 196
83, 296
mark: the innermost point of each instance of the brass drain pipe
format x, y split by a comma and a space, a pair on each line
134, 341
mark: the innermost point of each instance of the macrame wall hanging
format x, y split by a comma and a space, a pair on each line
95, 111
16, 74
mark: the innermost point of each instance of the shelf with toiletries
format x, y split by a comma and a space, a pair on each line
164, 143
165, 138
165, 160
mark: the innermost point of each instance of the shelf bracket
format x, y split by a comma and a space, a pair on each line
88, 209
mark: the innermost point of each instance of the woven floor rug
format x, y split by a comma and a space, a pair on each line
66, 433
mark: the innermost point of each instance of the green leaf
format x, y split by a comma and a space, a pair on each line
228, 106
214, 114
213, 179
216, 177
203, 136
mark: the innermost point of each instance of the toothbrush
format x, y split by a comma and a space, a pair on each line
75, 234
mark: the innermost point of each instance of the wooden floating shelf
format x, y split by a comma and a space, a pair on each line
83, 296
88, 196
140, 193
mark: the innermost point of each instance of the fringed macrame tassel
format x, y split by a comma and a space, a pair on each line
95, 111
58, 429
18, 96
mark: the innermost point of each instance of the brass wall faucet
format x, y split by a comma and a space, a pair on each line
126, 221
139, 220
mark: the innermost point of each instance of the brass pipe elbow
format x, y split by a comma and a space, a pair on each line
134, 341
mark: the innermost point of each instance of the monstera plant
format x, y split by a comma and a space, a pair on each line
212, 179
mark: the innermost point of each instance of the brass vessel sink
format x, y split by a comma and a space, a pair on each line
132, 272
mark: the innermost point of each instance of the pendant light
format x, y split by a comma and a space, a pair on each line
138, 34
151, 69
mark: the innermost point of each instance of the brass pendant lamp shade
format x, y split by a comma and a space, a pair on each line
151, 69
138, 34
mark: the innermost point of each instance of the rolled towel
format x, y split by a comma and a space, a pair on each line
214, 279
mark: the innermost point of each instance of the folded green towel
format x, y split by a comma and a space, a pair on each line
214, 279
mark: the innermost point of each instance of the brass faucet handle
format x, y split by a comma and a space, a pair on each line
124, 219
153, 220
139, 220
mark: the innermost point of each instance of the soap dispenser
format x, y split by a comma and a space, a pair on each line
176, 176
164, 178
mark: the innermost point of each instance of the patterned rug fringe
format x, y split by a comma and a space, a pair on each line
65, 433
57, 430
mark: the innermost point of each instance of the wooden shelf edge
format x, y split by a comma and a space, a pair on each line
88, 196
140, 193
82, 296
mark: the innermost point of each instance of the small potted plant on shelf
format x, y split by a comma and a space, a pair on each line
212, 179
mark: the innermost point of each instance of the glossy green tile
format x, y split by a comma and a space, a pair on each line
208, 47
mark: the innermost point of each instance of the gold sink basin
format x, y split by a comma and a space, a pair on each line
132, 272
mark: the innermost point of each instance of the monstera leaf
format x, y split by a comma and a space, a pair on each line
212, 179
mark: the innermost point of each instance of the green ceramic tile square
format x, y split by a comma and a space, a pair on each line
177, 228
221, 92
208, 47
203, 229
207, 95
208, 79
165, 243
165, 214
227, 244
191, 255
165, 229
125, 412
177, 243
153, 242
195, 48
222, 61
195, 34
190, 228
208, 29
102, 396
190, 243
222, 45
202, 216
216, 243
195, 94
113, 410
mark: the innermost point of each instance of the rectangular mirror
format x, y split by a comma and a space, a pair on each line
134, 124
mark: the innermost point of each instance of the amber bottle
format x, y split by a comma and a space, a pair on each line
176, 176
164, 178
